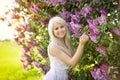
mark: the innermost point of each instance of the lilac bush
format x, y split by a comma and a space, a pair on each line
98, 18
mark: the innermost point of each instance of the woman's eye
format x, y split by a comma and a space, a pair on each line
56, 28
62, 26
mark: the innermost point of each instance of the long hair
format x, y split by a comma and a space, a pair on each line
67, 38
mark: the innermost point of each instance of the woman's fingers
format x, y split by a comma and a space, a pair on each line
84, 38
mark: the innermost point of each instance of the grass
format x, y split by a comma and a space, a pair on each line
10, 66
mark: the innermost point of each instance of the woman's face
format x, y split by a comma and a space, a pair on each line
59, 30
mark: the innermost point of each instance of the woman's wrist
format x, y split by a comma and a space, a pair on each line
82, 44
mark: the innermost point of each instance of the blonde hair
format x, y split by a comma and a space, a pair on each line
51, 34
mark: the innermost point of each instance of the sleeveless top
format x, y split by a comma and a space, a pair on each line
58, 69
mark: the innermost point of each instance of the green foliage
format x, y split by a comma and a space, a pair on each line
92, 58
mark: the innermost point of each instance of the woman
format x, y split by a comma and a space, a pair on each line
60, 51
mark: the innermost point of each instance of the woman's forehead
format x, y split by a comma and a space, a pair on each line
57, 24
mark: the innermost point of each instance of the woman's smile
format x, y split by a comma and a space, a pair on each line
59, 30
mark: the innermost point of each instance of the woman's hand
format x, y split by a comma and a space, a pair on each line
84, 38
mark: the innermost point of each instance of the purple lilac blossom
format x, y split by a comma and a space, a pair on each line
96, 73
38, 64
42, 49
75, 29
103, 12
86, 10
46, 69
34, 8
75, 26
26, 61
94, 31
26, 49
102, 20
65, 14
75, 18
73, 79
76, 0
96, 1
55, 2
101, 49
116, 31
26, 57
83, 13
32, 43
104, 67
77, 34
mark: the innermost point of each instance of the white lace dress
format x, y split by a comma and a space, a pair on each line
58, 69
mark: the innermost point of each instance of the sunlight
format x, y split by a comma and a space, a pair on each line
6, 32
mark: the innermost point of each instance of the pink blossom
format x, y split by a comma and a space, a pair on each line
116, 31
65, 14
34, 8
96, 1
101, 49
102, 20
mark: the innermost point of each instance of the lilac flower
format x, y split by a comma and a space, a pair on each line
96, 1
94, 37
42, 49
25, 67
96, 74
75, 27
77, 34
94, 31
25, 48
75, 18
26, 57
86, 10
83, 13
73, 78
104, 67
76, 0
32, 43
101, 49
56, 2
34, 8
103, 12
116, 31
46, 69
38, 64
26, 27
26, 60
65, 14
102, 20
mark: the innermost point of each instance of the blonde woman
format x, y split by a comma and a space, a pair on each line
60, 51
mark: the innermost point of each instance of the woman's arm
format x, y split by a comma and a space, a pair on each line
64, 57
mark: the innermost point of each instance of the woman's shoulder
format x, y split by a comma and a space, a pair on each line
53, 48
52, 45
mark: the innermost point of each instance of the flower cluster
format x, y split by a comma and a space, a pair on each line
102, 72
81, 16
45, 68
